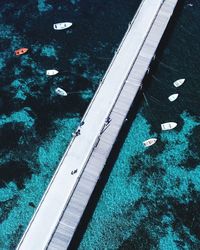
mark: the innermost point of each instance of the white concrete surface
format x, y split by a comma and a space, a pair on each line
50, 209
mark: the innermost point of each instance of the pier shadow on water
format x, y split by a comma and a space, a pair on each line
150, 197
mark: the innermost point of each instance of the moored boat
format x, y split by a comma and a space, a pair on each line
173, 97
61, 92
168, 125
20, 51
149, 142
51, 72
62, 26
179, 82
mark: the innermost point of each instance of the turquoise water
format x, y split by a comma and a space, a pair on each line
35, 123
152, 197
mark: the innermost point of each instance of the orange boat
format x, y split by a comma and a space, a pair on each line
21, 51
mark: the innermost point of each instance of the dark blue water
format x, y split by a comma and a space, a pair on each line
151, 199
35, 123
152, 196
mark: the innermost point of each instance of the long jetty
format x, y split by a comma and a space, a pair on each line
61, 208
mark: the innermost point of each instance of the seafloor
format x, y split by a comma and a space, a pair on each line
35, 123
152, 196
151, 199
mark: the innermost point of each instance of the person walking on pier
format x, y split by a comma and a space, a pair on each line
78, 132
74, 171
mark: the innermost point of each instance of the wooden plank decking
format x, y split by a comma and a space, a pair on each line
89, 151
86, 185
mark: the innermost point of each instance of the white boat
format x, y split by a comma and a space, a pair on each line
179, 82
173, 97
60, 91
168, 125
51, 72
149, 142
62, 26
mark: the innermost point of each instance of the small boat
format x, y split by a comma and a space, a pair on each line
179, 82
51, 72
168, 125
21, 51
149, 142
62, 26
60, 91
173, 97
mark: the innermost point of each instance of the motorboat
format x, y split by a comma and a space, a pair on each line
149, 142
173, 97
21, 51
62, 26
51, 72
179, 82
61, 92
168, 125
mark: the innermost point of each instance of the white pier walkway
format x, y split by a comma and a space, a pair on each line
61, 208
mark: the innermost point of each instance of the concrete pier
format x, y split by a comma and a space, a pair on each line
61, 208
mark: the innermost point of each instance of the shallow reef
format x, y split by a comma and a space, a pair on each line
35, 123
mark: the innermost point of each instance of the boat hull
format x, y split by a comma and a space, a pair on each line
149, 142
168, 125
173, 97
61, 92
21, 51
51, 72
179, 82
62, 26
